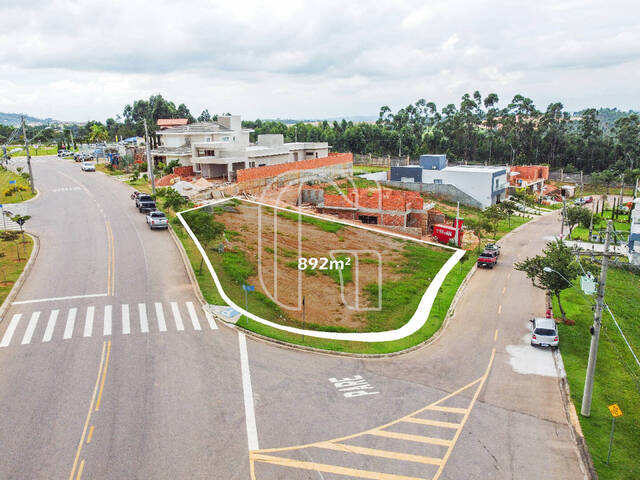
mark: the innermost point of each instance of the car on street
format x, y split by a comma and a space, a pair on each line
142, 197
492, 247
583, 200
157, 219
88, 167
544, 332
64, 153
146, 206
487, 259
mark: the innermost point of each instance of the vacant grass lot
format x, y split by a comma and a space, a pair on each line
13, 258
617, 375
5, 177
621, 223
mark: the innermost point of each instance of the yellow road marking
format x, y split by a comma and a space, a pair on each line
86, 423
434, 423
495, 335
104, 375
320, 467
504, 289
466, 416
439, 408
499, 309
80, 469
374, 452
90, 436
411, 437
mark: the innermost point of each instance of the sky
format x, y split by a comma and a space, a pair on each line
83, 59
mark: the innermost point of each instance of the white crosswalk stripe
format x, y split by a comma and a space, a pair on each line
145, 315
51, 325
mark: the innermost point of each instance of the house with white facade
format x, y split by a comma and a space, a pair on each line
487, 185
221, 148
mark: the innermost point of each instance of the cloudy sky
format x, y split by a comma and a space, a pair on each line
86, 59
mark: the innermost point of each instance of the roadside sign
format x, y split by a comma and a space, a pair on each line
615, 410
11, 182
248, 288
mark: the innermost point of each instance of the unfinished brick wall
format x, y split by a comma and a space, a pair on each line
529, 173
386, 199
183, 171
270, 171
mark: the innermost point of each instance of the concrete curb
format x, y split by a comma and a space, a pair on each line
23, 276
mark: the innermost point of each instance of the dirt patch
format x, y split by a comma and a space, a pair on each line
337, 297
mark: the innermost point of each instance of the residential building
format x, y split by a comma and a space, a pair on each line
219, 149
171, 122
528, 177
486, 185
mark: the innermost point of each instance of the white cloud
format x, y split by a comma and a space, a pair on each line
86, 60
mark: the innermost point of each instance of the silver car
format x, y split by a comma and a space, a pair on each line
544, 332
88, 167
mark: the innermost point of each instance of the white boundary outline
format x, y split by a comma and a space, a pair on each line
415, 323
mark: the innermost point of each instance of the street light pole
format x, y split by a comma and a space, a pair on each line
597, 318
149, 165
26, 147
564, 215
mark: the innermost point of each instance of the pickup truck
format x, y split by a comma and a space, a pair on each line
143, 197
145, 206
156, 219
492, 247
487, 259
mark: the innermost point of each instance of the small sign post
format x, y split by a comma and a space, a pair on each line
247, 289
615, 412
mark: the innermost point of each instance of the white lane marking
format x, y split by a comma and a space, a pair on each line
107, 320
162, 325
249, 411
48, 332
126, 326
144, 323
53, 299
194, 317
176, 316
71, 320
30, 328
88, 323
212, 322
6, 340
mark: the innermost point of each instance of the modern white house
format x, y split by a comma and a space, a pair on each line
487, 185
634, 234
221, 148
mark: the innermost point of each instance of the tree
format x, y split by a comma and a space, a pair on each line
11, 236
556, 256
98, 134
492, 215
173, 200
204, 116
508, 208
577, 216
205, 228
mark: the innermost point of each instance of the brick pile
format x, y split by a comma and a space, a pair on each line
270, 171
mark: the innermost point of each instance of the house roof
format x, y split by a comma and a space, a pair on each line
178, 151
171, 122
200, 127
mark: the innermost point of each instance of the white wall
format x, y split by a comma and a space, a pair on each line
473, 183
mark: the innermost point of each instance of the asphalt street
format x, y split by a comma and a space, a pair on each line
130, 379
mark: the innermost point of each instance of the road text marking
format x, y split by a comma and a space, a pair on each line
355, 386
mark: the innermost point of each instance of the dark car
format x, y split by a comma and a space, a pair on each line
143, 197
146, 206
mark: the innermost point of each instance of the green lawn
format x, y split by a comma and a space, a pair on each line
359, 169
621, 223
5, 177
35, 152
617, 375
13, 258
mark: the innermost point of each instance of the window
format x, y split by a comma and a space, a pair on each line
437, 181
225, 139
207, 139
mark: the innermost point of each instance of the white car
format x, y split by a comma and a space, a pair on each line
88, 167
544, 332
157, 219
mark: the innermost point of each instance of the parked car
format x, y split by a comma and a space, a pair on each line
135, 195
588, 199
492, 247
88, 167
142, 197
145, 206
64, 153
157, 219
544, 332
487, 259
579, 201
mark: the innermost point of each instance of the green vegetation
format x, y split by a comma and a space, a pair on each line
359, 169
34, 151
322, 224
617, 377
14, 254
581, 232
18, 192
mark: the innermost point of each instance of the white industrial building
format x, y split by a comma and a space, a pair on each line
220, 148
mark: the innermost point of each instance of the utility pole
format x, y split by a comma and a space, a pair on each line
621, 189
149, 165
457, 222
26, 147
564, 215
400, 146
595, 335
73, 142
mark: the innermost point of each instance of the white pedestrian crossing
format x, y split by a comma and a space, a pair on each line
71, 321
147, 316
107, 320
88, 323
51, 325
30, 328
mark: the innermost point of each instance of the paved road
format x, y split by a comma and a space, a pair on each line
148, 394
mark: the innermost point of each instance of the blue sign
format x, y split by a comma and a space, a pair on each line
11, 182
230, 312
248, 288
